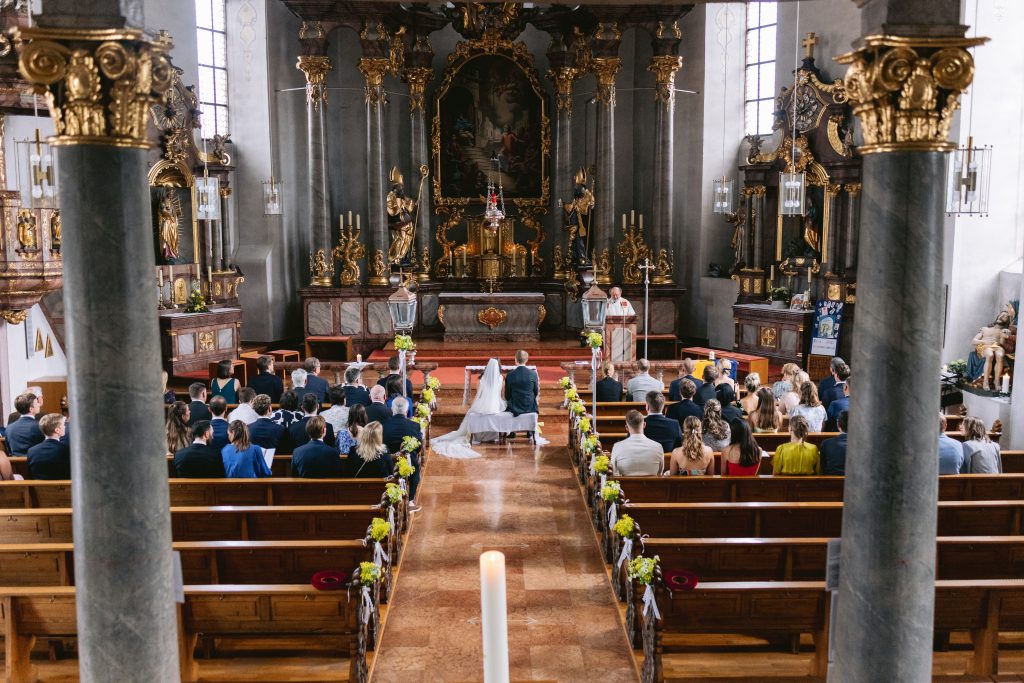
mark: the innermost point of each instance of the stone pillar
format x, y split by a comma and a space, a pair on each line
757, 208
904, 89
373, 70
852, 225
605, 70
830, 230
563, 77
417, 77
664, 68
316, 68
222, 250
122, 526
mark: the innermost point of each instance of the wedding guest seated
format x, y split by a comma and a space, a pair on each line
242, 458
742, 457
693, 457
658, 427
785, 384
810, 407
797, 457
394, 431
297, 435
355, 392
685, 407
244, 412
370, 459
200, 459
716, 431
6, 469
642, 383
169, 398
685, 372
264, 432
178, 434
299, 384
288, 410
348, 435
394, 370
337, 414
197, 409
833, 451
394, 390
225, 384
637, 455
609, 389
838, 405
726, 395
378, 410
265, 381
981, 454
315, 383
826, 383
218, 406
24, 433
315, 459
791, 399
706, 391
841, 375
51, 457
752, 383
951, 451
724, 366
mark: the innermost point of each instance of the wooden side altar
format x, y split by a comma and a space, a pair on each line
191, 341
780, 334
484, 317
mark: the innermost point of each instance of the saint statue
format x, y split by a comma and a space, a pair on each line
168, 229
577, 215
27, 230
811, 227
988, 346
55, 231
400, 220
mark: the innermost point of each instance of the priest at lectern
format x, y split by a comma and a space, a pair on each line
618, 305
620, 328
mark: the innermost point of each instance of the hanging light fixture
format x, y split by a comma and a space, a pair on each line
494, 210
272, 197
723, 194
970, 168
42, 175
207, 194
793, 185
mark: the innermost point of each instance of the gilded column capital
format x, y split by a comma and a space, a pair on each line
906, 90
664, 68
373, 70
852, 189
605, 69
98, 83
563, 77
316, 68
832, 189
417, 77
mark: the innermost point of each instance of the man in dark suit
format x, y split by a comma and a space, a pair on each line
265, 381
837, 406
394, 370
314, 382
522, 387
706, 391
840, 374
355, 392
297, 435
315, 459
264, 432
396, 429
833, 451
24, 433
197, 409
826, 383
218, 407
378, 410
50, 458
609, 389
200, 460
659, 428
686, 372
685, 407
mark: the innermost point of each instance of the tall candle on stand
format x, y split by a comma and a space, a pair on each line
1006, 383
350, 218
623, 222
160, 272
494, 617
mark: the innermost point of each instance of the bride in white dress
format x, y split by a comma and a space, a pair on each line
488, 401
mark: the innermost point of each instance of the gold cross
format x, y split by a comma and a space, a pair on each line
809, 42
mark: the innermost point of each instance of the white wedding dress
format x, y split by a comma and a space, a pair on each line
488, 401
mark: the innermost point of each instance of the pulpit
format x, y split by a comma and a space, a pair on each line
620, 338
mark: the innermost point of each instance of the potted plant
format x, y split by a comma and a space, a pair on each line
779, 296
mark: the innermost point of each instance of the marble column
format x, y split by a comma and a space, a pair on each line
316, 68
852, 226
373, 70
221, 250
127, 628
563, 77
664, 68
758, 208
884, 624
830, 230
605, 69
417, 78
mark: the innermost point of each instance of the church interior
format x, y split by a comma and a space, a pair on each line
381, 333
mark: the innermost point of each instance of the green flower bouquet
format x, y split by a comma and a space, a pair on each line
433, 383
602, 464
410, 444
624, 527
584, 425
577, 407
369, 573
565, 382
422, 422
394, 493
428, 395
571, 394
595, 340
611, 492
404, 342
423, 410
641, 569
379, 529
590, 443
958, 367
405, 468
196, 301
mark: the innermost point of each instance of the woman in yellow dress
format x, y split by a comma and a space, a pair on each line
797, 457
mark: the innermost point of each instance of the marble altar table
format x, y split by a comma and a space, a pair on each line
483, 317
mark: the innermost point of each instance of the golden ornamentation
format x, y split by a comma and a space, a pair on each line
312, 30
757, 285
572, 284
632, 250
320, 270
27, 239
377, 270
440, 315
563, 78
834, 139
603, 268
659, 33
852, 189
180, 291
768, 336
608, 31
453, 212
542, 313
558, 262
424, 273
604, 70
530, 215
905, 91
664, 68
417, 78
833, 292
14, 317
662, 268
373, 70
492, 317
217, 289
316, 68
745, 284
206, 342
97, 83
55, 232
349, 251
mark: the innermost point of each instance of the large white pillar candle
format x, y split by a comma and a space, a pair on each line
494, 616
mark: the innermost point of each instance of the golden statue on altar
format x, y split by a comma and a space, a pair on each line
400, 220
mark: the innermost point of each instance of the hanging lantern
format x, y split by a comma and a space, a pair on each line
208, 199
402, 307
37, 161
494, 213
792, 194
970, 171
271, 197
724, 197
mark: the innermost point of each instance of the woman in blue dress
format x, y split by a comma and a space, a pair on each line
243, 459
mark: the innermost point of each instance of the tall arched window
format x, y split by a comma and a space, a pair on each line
759, 96
213, 66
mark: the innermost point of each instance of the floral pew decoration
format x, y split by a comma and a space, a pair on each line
379, 534
368, 579
607, 515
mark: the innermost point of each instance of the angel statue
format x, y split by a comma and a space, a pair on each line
400, 220
577, 216
989, 349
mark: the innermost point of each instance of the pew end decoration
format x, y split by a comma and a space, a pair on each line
602, 463
380, 529
404, 342
404, 467
594, 340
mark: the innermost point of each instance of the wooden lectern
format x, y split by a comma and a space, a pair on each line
620, 336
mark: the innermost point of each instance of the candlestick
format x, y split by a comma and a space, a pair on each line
772, 276
197, 271
494, 617
632, 217
1006, 383
209, 274
623, 222
160, 273
641, 221
357, 222
350, 218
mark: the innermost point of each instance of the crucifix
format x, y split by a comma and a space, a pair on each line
808, 43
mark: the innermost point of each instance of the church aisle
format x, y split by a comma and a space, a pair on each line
563, 621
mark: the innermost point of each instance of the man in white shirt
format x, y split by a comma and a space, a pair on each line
244, 411
636, 455
643, 382
617, 305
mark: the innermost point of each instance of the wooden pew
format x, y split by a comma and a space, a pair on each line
302, 611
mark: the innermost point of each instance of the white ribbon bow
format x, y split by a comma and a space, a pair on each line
650, 604
401, 483
379, 556
611, 516
391, 516
368, 604
627, 549
604, 479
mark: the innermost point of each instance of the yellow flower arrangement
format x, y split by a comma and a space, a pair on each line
595, 340
410, 444
379, 529
602, 464
584, 425
611, 492
405, 469
565, 382
422, 422
404, 342
577, 408
434, 383
571, 394
624, 527
393, 492
422, 410
369, 573
590, 443
641, 569
428, 395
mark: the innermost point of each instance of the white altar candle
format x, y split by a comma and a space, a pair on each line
623, 222
350, 218
209, 274
641, 221
772, 276
632, 217
357, 222
494, 617
1006, 383
160, 272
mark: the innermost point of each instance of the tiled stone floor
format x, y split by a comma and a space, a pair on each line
563, 621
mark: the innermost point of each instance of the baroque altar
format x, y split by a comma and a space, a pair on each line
490, 317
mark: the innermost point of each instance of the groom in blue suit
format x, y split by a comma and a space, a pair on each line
522, 387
